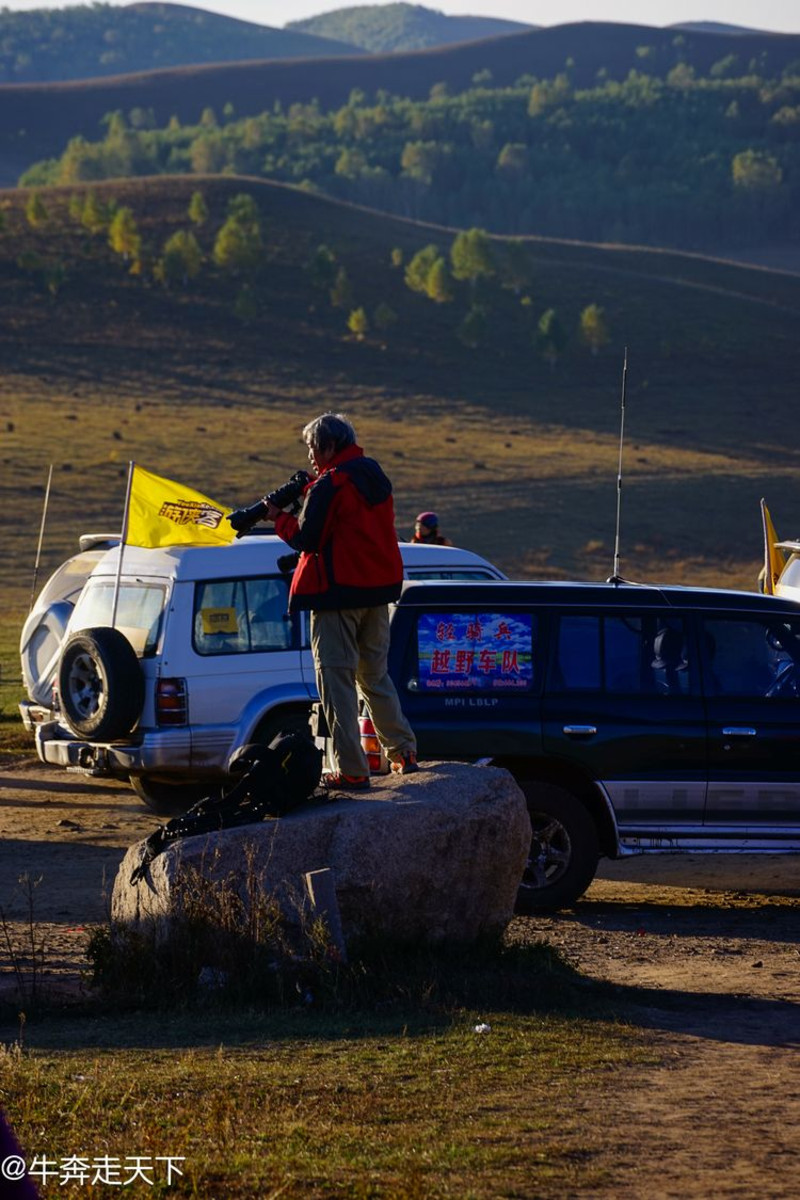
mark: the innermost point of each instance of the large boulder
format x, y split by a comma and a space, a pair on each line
430, 857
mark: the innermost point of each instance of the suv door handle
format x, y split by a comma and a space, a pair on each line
581, 730
739, 731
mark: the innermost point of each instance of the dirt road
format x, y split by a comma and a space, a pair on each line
705, 953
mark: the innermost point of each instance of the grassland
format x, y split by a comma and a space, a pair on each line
404, 1104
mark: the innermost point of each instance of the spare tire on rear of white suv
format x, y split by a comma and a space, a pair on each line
100, 684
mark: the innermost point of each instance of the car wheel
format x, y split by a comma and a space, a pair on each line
167, 799
100, 684
564, 849
279, 723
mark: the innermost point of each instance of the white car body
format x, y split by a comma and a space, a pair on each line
188, 613
788, 584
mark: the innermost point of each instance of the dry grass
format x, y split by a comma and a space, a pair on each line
356, 1107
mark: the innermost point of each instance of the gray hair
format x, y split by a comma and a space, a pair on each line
331, 431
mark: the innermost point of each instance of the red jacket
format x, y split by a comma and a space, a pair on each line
346, 535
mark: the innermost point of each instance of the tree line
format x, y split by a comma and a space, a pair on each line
681, 161
482, 280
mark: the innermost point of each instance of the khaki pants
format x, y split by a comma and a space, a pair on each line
350, 647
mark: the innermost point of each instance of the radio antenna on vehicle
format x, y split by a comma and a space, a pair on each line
41, 536
616, 577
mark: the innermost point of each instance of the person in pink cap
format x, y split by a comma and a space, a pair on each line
426, 530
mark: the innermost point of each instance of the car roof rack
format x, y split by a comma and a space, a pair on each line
98, 541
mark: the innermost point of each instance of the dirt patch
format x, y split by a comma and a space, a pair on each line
703, 953
64, 837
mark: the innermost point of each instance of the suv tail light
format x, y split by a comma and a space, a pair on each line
371, 746
172, 702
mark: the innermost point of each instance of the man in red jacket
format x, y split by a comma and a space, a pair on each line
350, 569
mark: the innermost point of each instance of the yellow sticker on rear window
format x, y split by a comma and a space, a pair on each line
219, 620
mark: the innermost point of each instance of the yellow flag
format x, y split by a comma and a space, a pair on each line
774, 559
164, 513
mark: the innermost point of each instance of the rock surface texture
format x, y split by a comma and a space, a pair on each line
431, 857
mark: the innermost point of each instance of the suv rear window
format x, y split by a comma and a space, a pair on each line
243, 616
483, 652
139, 609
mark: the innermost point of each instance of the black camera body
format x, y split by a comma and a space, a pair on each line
287, 497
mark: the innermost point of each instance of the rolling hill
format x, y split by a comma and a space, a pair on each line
88, 41
210, 381
388, 28
37, 120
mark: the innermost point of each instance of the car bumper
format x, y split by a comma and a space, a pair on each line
33, 715
166, 752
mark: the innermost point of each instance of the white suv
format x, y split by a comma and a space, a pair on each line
202, 660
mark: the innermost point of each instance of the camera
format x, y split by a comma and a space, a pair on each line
287, 497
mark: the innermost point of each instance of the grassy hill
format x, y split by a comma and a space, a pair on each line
210, 384
37, 120
388, 28
88, 41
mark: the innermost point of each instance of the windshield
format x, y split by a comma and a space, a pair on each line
139, 610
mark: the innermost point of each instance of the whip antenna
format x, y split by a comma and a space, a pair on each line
41, 536
616, 577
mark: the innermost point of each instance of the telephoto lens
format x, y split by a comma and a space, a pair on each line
290, 493
244, 519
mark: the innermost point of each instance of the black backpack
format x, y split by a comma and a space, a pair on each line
265, 781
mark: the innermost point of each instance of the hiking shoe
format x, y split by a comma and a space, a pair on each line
406, 765
345, 783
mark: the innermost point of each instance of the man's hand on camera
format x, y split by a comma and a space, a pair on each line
272, 510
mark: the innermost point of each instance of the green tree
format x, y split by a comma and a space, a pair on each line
36, 211
238, 248
351, 163
341, 293
142, 118
198, 209
472, 330
384, 317
513, 160
418, 270
358, 323
123, 235
550, 337
322, 267
549, 94
419, 160
756, 171
208, 118
208, 154
594, 328
397, 257
243, 208
75, 207
471, 256
181, 259
439, 284
94, 215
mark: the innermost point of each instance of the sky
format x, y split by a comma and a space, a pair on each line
780, 16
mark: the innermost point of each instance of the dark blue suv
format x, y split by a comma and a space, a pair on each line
635, 718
